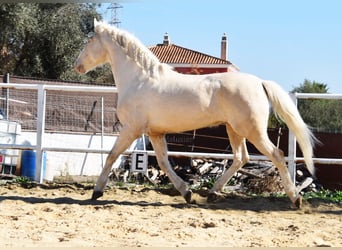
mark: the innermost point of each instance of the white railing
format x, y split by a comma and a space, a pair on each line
40, 147
292, 158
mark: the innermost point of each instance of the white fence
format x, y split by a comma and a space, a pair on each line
41, 147
292, 158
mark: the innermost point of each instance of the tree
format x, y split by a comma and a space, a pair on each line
311, 87
18, 24
44, 40
321, 115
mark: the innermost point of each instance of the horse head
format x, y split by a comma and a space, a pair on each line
93, 53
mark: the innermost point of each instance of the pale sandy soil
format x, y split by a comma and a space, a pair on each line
138, 216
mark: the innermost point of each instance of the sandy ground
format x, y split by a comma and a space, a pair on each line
138, 216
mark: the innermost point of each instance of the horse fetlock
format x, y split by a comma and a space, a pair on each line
182, 188
188, 196
218, 185
185, 192
298, 202
296, 199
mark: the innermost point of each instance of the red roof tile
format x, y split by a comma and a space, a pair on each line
174, 54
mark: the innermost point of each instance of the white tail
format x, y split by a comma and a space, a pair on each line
287, 111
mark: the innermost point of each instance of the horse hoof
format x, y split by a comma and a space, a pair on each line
298, 202
212, 197
188, 196
96, 195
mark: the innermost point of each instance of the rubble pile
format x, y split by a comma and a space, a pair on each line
255, 177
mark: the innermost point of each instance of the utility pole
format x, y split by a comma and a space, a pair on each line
113, 7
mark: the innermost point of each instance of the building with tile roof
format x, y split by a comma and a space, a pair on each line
189, 61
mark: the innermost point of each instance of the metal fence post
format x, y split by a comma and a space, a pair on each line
292, 148
40, 132
5, 92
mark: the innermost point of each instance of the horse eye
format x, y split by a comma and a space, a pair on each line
91, 34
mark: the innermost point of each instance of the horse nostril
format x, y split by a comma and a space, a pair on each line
80, 69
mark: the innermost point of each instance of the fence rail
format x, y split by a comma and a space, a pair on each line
292, 159
40, 147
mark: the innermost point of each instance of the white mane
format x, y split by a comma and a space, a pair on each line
133, 48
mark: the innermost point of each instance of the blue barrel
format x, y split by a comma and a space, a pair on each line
28, 163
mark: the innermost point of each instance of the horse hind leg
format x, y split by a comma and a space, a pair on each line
160, 148
266, 147
241, 157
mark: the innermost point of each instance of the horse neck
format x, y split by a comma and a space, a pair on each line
125, 70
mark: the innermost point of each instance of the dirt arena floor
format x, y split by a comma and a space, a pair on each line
62, 215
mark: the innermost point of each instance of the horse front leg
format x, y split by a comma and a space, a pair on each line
125, 139
160, 148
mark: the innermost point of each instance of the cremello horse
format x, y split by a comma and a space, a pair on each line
154, 99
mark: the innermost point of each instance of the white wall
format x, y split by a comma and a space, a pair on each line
69, 163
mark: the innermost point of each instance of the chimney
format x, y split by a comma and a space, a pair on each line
166, 39
224, 47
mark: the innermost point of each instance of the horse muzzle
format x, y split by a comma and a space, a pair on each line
80, 69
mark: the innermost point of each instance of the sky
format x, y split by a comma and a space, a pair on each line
285, 40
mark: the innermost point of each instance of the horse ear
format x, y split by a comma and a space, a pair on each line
95, 22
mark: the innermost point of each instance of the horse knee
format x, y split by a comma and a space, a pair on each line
278, 155
240, 159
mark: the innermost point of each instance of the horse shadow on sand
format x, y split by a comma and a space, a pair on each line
226, 202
